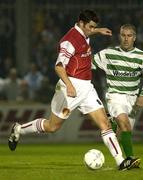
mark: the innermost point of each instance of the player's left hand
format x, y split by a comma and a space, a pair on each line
103, 31
139, 101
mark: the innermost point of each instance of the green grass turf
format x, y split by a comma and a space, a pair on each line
60, 162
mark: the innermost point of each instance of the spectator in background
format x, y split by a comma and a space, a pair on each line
24, 94
45, 66
11, 87
6, 64
33, 78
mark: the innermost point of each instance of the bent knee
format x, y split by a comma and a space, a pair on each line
52, 125
53, 128
125, 127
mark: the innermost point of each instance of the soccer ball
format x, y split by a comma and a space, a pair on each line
94, 159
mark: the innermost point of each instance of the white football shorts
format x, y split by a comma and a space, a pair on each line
86, 100
121, 103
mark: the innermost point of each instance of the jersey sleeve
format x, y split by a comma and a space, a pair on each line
100, 60
66, 51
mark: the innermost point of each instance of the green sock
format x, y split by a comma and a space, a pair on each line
114, 126
126, 141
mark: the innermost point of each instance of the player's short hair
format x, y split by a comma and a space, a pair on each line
87, 16
129, 26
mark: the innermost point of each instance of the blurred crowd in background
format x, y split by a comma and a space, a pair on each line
48, 25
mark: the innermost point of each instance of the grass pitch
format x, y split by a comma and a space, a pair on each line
61, 162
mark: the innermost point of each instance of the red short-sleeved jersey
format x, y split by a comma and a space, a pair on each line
79, 65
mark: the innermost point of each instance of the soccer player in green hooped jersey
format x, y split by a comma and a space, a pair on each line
123, 68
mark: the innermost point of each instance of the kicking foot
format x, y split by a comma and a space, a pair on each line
14, 136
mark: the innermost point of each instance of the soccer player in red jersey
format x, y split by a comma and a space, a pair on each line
75, 90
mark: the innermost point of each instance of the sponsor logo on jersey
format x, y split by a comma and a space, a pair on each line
124, 73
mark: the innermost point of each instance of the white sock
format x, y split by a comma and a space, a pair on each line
111, 142
33, 126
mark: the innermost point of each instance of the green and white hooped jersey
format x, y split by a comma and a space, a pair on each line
123, 69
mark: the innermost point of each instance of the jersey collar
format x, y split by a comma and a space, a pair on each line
127, 51
81, 32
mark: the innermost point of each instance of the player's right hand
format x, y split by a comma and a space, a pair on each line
71, 91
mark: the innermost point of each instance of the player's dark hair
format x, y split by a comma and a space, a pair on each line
129, 26
87, 16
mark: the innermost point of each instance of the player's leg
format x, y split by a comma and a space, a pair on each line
39, 125
110, 140
125, 127
119, 107
126, 134
108, 136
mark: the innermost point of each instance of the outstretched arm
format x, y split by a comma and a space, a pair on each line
103, 31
